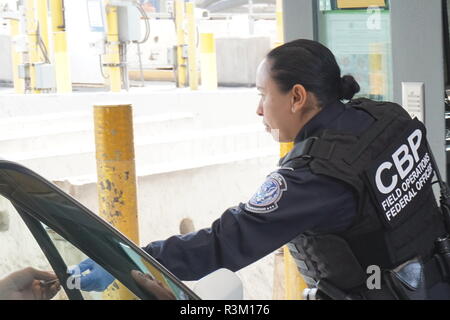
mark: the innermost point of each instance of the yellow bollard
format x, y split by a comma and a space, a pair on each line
33, 49
181, 70
192, 45
112, 50
17, 58
280, 23
278, 276
293, 281
208, 61
61, 56
117, 191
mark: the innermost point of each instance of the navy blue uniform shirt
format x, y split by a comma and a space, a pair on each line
286, 205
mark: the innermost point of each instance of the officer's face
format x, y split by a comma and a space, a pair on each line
284, 114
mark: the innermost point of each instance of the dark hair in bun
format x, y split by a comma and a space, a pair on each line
349, 87
314, 66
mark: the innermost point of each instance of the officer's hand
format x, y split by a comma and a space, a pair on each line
29, 284
154, 287
98, 279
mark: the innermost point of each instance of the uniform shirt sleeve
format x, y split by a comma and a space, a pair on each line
246, 233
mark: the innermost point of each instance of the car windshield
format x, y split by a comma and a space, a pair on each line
77, 233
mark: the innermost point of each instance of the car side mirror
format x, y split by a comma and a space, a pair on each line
222, 284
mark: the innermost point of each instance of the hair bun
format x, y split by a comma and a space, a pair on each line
350, 87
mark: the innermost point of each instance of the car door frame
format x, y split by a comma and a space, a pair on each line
50, 251
28, 209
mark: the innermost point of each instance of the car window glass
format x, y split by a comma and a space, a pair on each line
18, 248
73, 257
116, 291
147, 268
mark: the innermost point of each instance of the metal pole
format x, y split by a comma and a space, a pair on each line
42, 12
192, 45
116, 185
17, 58
123, 59
141, 69
61, 56
33, 49
112, 50
181, 63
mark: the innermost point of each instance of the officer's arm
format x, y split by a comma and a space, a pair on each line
286, 205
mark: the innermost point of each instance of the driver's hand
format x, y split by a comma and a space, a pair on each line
154, 287
29, 284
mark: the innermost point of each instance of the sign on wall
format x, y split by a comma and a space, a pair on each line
358, 4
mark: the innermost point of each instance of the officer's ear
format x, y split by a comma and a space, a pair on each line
299, 98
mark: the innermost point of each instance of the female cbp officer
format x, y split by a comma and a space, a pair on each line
301, 90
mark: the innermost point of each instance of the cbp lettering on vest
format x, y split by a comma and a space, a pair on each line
354, 193
401, 157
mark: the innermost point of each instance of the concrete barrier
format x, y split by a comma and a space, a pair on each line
75, 132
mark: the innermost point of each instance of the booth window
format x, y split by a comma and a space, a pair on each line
358, 32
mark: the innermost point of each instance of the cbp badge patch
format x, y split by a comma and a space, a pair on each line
269, 194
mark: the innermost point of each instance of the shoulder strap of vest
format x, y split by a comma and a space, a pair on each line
318, 147
307, 150
385, 113
301, 151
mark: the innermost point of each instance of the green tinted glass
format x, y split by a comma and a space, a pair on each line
361, 41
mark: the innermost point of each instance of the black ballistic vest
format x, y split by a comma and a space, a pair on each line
390, 171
